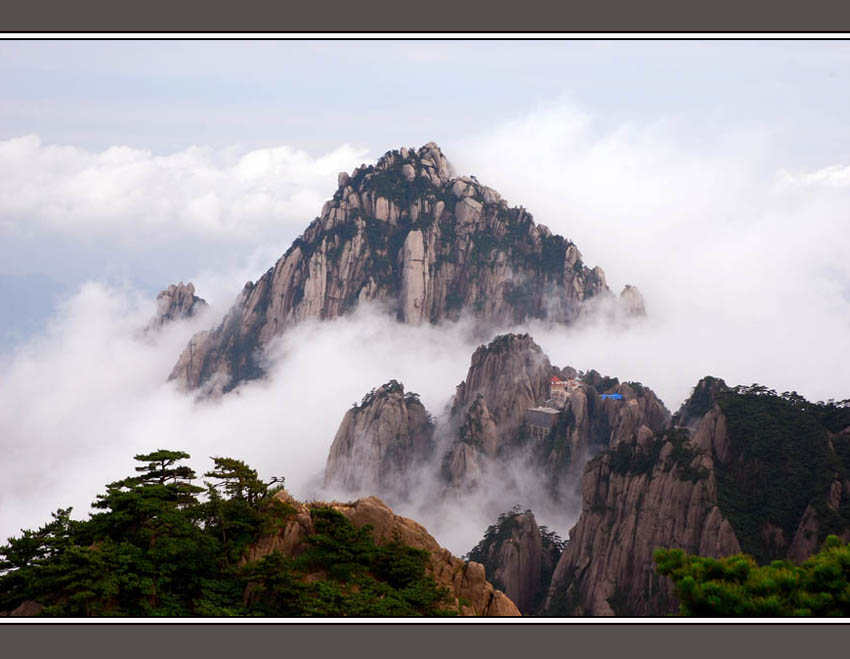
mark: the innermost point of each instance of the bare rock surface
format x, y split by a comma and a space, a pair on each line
741, 469
607, 567
405, 232
518, 559
176, 302
380, 443
511, 375
632, 302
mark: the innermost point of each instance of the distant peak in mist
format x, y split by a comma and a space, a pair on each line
176, 302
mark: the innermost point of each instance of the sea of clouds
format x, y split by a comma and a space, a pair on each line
742, 260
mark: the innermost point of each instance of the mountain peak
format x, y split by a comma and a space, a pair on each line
408, 233
700, 401
427, 163
176, 302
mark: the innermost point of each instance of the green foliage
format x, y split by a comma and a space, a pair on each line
155, 549
702, 396
495, 535
391, 387
682, 455
365, 579
627, 458
552, 255
306, 248
483, 244
601, 383
487, 551
738, 586
781, 462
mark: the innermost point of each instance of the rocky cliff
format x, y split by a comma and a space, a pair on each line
381, 443
505, 378
406, 232
511, 375
739, 469
519, 558
632, 302
176, 302
473, 594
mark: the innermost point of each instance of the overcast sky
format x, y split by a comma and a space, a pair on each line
715, 176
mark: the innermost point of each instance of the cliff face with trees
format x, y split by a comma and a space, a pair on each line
428, 245
737, 586
519, 557
176, 302
742, 469
247, 549
387, 440
510, 375
381, 444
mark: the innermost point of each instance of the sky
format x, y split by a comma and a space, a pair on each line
714, 175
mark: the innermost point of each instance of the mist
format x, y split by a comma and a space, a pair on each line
739, 252
81, 400
740, 255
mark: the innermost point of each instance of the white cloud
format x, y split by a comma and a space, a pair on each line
745, 277
836, 176
134, 196
81, 400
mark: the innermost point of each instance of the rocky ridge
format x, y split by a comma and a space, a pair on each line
632, 302
511, 375
473, 594
389, 440
398, 433
407, 233
505, 378
176, 302
707, 485
519, 558
735, 469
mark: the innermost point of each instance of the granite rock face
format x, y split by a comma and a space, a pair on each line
657, 489
473, 594
380, 444
505, 378
518, 559
176, 302
632, 303
511, 375
405, 232
607, 567
738, 469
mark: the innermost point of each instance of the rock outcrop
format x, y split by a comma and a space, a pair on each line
519, 558
511, 375
473, 594
176, 302
381, 444
405, 232
739, 469
26, 609
589, 423
632, 303
634, 499
505, 378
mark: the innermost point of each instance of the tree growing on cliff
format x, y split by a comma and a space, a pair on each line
153, 548
736, 586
